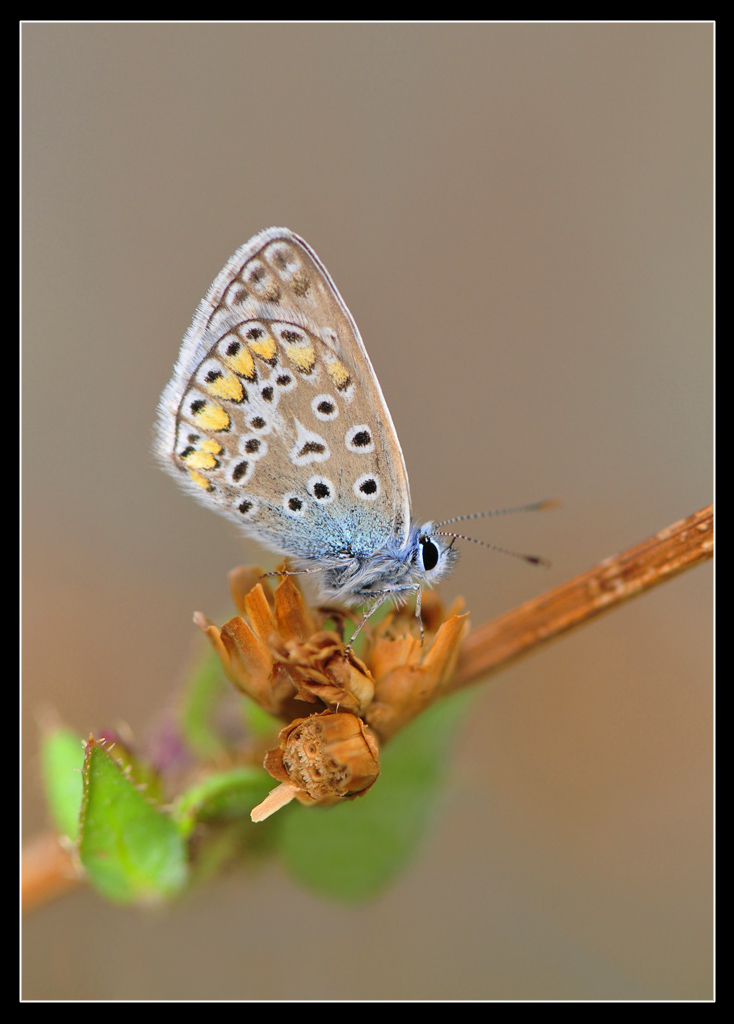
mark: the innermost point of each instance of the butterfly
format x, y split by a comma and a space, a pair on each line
275, 418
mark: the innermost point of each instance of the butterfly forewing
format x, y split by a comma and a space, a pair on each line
274, 414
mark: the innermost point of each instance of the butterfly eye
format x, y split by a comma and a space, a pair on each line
429, 553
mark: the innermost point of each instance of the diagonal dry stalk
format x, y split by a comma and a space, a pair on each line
47, 867
607, 585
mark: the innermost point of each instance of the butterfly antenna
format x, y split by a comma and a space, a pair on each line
532, 559
536, 506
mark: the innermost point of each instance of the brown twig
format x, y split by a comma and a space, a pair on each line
607, 585
47, 867
48, 871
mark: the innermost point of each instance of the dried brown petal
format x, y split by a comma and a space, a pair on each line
408, 677
293, 617
276, 656
242, 580
320, 671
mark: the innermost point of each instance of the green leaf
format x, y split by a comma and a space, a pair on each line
353, 850
260, 723
130, 849
222, 803
231, 794
204, 690
62, 757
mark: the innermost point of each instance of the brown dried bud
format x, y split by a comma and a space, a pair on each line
409, 677
319, 671
321, 759
336, 704
274, 654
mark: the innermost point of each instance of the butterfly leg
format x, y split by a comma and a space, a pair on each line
291, 572
418, 593
383, 596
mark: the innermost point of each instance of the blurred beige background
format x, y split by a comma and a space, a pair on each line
519, 217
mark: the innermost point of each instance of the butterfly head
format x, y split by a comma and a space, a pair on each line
432, 556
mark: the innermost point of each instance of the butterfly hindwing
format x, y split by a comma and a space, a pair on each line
274, 415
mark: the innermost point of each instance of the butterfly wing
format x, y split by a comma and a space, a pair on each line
274, 415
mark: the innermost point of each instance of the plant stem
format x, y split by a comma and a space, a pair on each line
47, 867
607, 585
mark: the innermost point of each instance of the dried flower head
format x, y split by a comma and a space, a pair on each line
321, 759
337, 705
